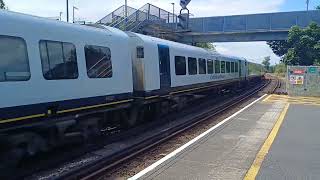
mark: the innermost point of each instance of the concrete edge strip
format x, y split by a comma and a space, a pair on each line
175, 152
256, 165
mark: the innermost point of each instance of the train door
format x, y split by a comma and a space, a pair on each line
164, 65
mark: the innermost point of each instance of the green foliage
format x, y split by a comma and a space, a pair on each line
280, 48
208, 46
280, 69
255, 69
2, 5
302, 47
266, 63
318, 7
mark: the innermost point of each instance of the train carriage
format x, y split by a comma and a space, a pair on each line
162, 68
60, 81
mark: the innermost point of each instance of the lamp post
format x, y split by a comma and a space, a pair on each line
308, 1
173, 12
74, 8
67, 10
126, 8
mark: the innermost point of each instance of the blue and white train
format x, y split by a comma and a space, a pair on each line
63, 81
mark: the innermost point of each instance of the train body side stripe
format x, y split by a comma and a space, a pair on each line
64, 111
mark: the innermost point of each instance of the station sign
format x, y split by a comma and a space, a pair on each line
296, 79
298, 71
312, 70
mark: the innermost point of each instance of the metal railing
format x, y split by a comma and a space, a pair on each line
135, 18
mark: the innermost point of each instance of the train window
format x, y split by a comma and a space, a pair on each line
202, 66
217, 66
181, 65
98, 60
14, 64
140, 52
236, 67
228, 67
232, 67
210, 66
59, 60
223, 67
192, 66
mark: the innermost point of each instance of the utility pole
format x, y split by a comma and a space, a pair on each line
308, 1
74, 8
67, 10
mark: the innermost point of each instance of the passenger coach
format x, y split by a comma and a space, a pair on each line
61, 83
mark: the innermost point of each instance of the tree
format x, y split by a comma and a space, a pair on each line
208, 46
280, 69
280, 48
266, 63
301, 48
2, 5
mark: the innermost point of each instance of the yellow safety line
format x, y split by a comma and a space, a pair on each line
256, 165
95, 106
267, 98
64, 111
22, 118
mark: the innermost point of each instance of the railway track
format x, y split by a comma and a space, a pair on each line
94, 166
100, 167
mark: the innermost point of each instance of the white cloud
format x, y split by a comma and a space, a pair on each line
94, 10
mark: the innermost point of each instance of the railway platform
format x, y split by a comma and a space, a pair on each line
274, 137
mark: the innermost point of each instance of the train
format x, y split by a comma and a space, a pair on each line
61, 82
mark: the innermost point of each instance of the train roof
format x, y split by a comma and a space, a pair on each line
24, 21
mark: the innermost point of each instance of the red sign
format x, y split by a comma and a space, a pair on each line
298, 71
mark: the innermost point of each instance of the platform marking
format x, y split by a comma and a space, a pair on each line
175, 152
315, 101
256, 165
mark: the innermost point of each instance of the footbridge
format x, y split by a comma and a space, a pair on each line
157, 22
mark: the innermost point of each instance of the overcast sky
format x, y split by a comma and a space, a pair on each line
94, 10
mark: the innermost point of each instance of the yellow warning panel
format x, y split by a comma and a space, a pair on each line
292, 100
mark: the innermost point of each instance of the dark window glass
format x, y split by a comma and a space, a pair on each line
59, 60
192, 66
202, 66
140, 52
210, 66
223, 67
236, 67
181, 65
228, 67
98, 60
14, 62
232, 67
217, 66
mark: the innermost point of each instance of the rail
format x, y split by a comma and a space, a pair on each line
98, 169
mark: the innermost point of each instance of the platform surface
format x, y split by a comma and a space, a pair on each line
225, 153
294, 153
232, 150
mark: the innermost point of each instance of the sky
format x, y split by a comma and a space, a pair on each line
94, 10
